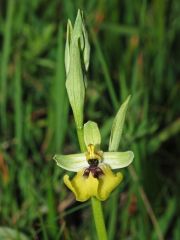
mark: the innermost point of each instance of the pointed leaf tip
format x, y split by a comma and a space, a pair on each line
117, 127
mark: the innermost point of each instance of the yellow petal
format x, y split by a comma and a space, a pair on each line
81, 186
108, 182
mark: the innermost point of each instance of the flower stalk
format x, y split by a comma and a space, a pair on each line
99, 218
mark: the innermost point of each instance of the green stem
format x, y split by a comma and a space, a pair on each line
80, 134
96, 204
99, 218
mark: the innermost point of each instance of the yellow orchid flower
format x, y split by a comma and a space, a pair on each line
94, 176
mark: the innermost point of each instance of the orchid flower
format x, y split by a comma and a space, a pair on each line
94, 176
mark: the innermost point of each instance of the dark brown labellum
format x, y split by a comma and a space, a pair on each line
96, 172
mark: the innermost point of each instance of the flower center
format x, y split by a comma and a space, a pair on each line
93, 162
93, 158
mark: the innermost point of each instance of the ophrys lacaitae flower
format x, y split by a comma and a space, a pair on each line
94, 167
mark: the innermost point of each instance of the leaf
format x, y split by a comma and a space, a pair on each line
117, 127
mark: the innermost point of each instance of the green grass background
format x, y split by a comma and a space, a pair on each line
134, 50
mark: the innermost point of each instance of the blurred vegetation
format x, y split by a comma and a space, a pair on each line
134, 50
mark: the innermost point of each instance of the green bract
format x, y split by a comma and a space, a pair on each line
76, 45
117, 126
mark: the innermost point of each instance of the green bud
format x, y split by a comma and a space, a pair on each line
77, 45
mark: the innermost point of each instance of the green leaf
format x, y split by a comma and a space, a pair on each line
71, 162
117, 127
118, 159
92, 134
11, 234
